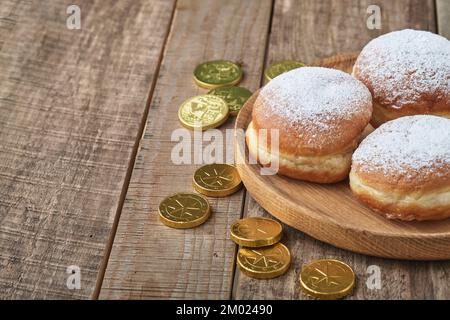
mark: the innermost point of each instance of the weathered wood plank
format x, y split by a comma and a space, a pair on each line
72, 103
309, 30
443, 17
150, 260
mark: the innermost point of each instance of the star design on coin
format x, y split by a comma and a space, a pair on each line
262, 260
182, 212
326, 276
215, 178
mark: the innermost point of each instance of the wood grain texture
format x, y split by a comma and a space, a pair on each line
149, 259
71, 106
317, 29
443, 17
310, 30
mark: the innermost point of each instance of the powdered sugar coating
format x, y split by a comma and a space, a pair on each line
406, 67
315, 97
408, 145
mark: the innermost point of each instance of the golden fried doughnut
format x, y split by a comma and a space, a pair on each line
319, 113
408, 73
402, 169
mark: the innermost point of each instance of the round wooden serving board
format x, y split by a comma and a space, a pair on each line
331, 214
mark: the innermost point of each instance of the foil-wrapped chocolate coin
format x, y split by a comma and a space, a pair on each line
217, 180
264, 263
184, 210
327, 279
203, 112
256, 232
217, 73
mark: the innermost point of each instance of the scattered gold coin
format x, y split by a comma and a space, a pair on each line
279, 67
217, 180
235, 97
327, 279
264, 263
217, 73
256, 232
184, 210
203, 112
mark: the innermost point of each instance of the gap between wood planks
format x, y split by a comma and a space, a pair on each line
141, 131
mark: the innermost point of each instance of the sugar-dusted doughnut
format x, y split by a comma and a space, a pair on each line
402, 169
319, 113
408, 73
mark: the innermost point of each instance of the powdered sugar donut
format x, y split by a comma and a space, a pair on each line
319, 113
408, 73
402, 169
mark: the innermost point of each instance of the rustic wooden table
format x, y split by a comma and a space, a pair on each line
85, 139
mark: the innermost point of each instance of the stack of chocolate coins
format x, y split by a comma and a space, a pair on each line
203, 112
211, 110
235, 97
260, 256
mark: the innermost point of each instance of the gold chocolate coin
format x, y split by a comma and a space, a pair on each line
203, 112
217, 73
265, 262
235, 97
256, 232
327, 279
184, 210
279, 67
217, 180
